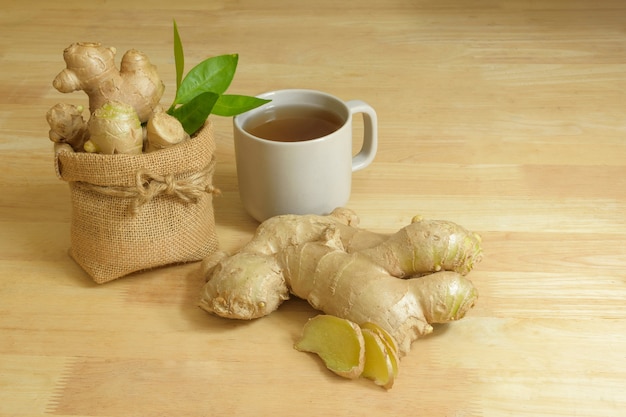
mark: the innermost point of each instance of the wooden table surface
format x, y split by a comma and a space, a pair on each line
508, 117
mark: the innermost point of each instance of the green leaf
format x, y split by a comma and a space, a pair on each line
179, 57
211, 75
231, 104
193, 114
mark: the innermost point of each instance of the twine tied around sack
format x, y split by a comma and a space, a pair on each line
149, 185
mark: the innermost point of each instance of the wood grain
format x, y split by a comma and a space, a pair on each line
507, 117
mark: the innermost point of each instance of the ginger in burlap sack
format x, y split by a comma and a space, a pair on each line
136, 212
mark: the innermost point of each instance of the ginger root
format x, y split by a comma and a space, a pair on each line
67, 125
91, 67
120, 101
350, 273
163, 131
115, 128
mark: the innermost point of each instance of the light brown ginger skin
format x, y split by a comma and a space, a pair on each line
278, 232
352, 286
67, 125
235, 295
296, 229
312, 254
115, 128
163, 131
91, 68
432, 246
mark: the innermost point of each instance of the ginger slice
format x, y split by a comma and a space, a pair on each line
389, 341
378, 363
338, 342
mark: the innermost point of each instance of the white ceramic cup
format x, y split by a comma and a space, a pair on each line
303, 177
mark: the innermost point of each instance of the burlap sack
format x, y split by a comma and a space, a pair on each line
135, 212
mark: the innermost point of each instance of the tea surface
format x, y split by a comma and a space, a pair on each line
294, 124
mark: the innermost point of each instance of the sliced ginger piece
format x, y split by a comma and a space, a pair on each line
389, 341
378, 364
338, 342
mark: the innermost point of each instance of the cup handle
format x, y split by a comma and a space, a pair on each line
370, 134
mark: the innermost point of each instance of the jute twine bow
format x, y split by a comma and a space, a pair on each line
148, 186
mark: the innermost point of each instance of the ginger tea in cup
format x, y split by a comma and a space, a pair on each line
294, 123
294, 154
